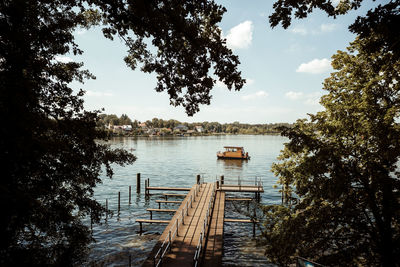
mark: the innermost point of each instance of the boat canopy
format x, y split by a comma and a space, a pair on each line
234, 148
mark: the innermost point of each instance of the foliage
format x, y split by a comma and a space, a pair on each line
187, 44
284, 10
342, 164
50, 147
208, 127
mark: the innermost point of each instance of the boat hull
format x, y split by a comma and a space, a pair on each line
230, 157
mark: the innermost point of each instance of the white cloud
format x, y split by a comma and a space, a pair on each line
240, 36
315, 66
294, 95
63, 59
299, 30
97, 94
323, 28
311, 99
259, 94
330, 27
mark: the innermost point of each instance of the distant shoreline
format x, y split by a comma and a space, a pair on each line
113, 134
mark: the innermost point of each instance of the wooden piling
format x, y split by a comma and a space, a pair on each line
130, 260
222, 179
129, 195
106, 209
119, 202
138, 183
198, 179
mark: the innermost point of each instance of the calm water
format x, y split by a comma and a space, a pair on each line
176, 162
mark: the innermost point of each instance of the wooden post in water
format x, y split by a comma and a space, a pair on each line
222, 180
119, 202
130, 260
145, 187
129, 195
254, 220
138, 183
198, 179
148, 185
106, 209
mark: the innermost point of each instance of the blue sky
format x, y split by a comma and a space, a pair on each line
284, 69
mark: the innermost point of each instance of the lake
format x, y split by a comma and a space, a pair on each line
175, 162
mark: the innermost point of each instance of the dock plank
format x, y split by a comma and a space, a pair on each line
163, 188
238, 199
162, 210
236, 188
151, 221
214, 246
168, 201
240, 220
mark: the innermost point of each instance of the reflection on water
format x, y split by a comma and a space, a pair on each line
176, 162
230, 164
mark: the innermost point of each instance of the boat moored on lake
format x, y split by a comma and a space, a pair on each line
233, 152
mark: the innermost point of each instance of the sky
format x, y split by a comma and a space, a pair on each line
284, 69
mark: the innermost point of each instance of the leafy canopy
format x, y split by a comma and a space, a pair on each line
342, 164
51, 150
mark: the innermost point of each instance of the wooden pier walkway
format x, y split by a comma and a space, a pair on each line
194, 235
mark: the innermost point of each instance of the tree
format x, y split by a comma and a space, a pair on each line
125, 120
49, 142
342, 164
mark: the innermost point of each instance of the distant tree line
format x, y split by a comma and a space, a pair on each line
207, 127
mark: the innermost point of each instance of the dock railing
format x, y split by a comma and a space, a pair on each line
241, 182
180, 220
206, 222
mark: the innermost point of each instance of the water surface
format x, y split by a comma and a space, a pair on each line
175, 162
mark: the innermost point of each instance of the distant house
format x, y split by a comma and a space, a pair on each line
127, 128
199, 128
190, 131
181, 128
143, 127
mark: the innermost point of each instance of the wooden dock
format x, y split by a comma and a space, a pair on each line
194, 235
215, 239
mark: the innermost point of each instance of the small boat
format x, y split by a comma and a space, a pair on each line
233, 152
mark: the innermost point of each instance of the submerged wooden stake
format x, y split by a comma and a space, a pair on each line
106, 209
129, 194
138, 183
119, 202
